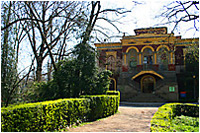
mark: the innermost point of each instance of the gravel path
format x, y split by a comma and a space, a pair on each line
129, 119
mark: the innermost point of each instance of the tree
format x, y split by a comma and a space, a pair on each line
8, 56
50, 25
54, 22
178, 11
11, 39
78, 75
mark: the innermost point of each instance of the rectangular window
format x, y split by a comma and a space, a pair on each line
145, 60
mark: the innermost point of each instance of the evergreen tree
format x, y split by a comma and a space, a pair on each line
86, 69
8, 57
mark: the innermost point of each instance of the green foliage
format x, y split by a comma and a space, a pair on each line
192, 57
46, 91
162, 119
66, 78
39, 91
186, 109
9, 74
185, 124
71, 79
85, 69
113, 93
45, 116
57, 114
102, 82
191, 75
102, 105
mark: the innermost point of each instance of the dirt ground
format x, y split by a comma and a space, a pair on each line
129, 119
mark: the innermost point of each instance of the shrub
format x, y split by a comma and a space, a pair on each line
68, 81
161, 121
185, 124
53, 115
113, 93
102, 105
44, 116
102, 82
186, 109
66, 78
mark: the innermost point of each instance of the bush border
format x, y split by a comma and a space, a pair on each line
161, 121
56, 114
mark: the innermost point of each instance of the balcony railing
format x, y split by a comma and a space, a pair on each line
154, 67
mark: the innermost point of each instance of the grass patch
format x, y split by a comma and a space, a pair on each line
185, 124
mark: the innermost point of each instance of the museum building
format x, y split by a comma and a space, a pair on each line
145, 65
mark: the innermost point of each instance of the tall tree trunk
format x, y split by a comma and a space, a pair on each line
39, 70
49, 68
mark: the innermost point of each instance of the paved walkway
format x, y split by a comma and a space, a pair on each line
129, 119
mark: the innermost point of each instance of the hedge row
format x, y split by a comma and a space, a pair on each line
161, 121
102, 105
53, 115
113, 93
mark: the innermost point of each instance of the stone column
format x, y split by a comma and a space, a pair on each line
124, 65
124, 55
171, 57
155, 57
140, 58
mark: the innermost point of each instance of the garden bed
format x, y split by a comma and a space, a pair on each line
185, 124
176, 117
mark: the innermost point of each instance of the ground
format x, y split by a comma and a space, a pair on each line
128, 119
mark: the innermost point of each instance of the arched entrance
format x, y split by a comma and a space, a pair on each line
148, 83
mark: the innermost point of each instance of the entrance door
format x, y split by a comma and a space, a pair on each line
147, 84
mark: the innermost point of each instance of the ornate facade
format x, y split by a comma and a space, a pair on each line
145, 65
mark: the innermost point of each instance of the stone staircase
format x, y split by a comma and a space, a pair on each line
147, 97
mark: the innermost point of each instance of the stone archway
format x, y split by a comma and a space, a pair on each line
148, 84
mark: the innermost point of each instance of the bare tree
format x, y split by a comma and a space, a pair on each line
10, 43
178, 11
48, 25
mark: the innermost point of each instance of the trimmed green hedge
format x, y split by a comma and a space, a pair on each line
44, 116
103, 105
161, 121
113, 93
53, 115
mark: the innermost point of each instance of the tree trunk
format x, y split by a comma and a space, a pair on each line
39, 70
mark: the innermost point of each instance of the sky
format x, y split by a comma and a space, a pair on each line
142, 16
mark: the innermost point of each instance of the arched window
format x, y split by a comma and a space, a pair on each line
163, 58
111, 63
147, 56
132, 58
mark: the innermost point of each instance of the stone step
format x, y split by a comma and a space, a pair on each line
142, 104
146, 97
